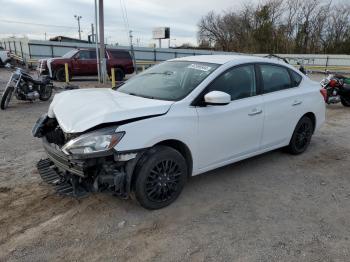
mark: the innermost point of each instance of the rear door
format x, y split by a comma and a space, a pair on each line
228, 132
283, 102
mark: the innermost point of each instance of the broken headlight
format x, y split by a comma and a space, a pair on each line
94, 142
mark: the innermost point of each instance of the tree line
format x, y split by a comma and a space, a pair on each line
279, 26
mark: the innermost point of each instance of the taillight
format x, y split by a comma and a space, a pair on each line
324, 94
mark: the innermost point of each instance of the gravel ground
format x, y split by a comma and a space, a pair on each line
274, 207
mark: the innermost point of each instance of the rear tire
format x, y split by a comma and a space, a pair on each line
301, 137
160, 177
119, 74
345, 101
45, 92
6, 97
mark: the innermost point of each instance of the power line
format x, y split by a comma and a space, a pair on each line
124, 16
126, 13
37, 24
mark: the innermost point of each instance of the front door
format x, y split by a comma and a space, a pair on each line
229, 132
83, 63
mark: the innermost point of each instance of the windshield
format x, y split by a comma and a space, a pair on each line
70, 54
172, 80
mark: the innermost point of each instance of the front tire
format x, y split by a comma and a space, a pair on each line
345, 101
160, 177
60, 75
6, 97
302, 136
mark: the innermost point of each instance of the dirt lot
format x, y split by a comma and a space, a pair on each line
275, 207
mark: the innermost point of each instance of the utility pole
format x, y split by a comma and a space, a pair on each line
45, 36
102, 42
96, 44
78, 17
92, 34
132, 51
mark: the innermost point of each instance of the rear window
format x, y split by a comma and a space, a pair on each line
120, 54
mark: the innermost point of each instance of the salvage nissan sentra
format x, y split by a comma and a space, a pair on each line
177, 119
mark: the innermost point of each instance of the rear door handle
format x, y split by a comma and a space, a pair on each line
255, 111
297, 102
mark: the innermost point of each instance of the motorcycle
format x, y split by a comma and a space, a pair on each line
335, 89
26, 88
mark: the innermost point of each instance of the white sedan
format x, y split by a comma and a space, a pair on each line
177, 119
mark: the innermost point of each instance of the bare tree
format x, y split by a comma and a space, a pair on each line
283, 26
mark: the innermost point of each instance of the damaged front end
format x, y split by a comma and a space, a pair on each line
84, 162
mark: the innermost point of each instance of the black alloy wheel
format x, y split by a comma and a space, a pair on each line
163, 181
302, 136
160, 177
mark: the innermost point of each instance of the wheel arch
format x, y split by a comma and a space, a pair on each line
179, 146
60, 66
183, 149
118, 66
312, 116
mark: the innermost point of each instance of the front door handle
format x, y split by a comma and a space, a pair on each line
255, 111
297, 102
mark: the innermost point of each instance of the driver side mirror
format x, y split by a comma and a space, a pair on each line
217, 98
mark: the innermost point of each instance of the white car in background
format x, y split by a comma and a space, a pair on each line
177, 119
5, 56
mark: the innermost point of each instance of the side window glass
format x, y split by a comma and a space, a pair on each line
120, 54
239, 82
83, 55
275, 78
92, 54
296, 78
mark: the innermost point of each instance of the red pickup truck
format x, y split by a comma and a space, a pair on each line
83, 62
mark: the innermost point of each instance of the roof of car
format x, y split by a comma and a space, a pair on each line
94, 49
223, 59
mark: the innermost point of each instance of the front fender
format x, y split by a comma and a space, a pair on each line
182, 126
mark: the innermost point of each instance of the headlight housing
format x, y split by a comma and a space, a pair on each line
95, 142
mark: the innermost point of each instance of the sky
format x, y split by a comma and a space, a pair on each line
34, 18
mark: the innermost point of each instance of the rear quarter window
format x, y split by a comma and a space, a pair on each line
275, 78
120, 54
296, 78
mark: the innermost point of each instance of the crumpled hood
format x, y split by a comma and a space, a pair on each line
79, 110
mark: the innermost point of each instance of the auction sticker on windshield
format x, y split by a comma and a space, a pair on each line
199, 67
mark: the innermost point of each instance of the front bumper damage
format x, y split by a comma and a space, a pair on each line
78, 177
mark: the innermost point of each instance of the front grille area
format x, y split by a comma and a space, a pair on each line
63, 162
